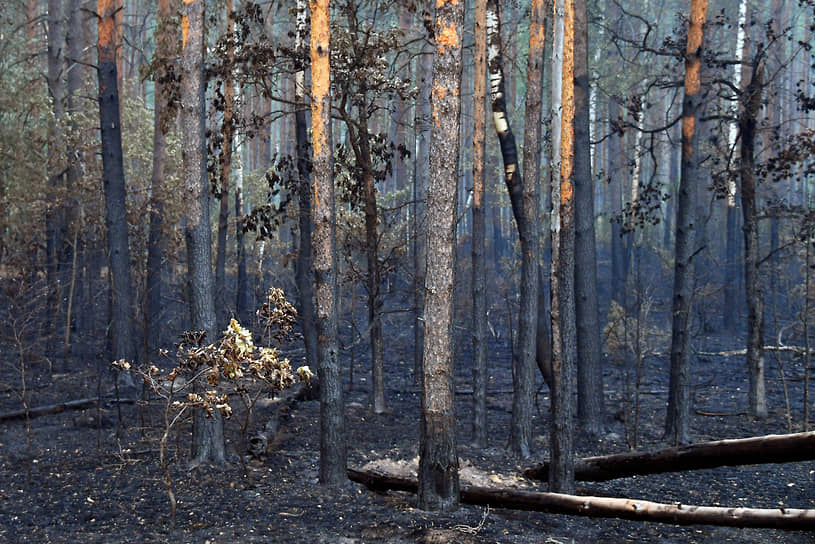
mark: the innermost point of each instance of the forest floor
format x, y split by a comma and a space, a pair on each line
83, 484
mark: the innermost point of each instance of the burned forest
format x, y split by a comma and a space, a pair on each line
433, 271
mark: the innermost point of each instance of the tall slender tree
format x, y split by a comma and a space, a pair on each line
589, 370
165, 114
208, 435
677, 421
438, 460
479, 333
225, 164
564, 349
523, 206
750, 108
114, 187
332, 422
303, 275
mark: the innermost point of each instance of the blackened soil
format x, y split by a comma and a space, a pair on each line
83, 484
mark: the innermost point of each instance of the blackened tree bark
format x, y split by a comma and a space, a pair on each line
479, 332
677, 421
420, 183
589, 370
751, 106
114, 188
303, 274
564, 350
438, 460
225, 163
373, 279
524, 204
333, 461
165, 114
208, 435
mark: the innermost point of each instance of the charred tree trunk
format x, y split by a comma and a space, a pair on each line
784, 448
564, 350
438, 486
755, 300
589, 370
333, 457
479, 292
373, 278
524, 206
608, 507
420, 183
165, 114
677, 421
208, 436
114, 185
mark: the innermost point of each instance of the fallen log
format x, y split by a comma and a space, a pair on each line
36, 411
783, 448
606, 507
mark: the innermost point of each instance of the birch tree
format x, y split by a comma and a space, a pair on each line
524, 203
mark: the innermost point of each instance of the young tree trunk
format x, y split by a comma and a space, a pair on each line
677, 421
524, 207
564, 350
438, 486
590, 409
225, 162
332, 422
731, 240
166, 38
615, 182
114, 184
303, 274
55, 211
208, 436
373, 278
751, 106
479, 292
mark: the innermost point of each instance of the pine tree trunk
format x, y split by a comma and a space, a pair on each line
677, 421
479, 291
590, 407
208, 436
166, 38
561, 475
332, 423
438, 460
114, 186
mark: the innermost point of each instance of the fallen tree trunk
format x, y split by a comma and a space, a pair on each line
783, 448
36, 411
607, 507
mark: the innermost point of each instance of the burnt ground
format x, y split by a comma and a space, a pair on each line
87, 485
